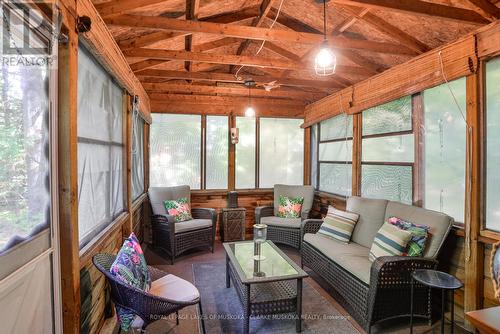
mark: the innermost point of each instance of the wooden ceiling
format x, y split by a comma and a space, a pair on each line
195, 47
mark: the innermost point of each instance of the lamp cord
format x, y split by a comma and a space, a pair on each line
324, 19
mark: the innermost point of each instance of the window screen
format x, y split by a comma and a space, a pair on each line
217, 152
388, 151
281, 152
245, 153
100, 148
492, 144
175, 146
444, 133
24, 153
137, 155
335, 155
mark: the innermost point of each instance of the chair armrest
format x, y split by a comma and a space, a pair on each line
305, 214
310, 226
156, 273
263, 211
204, 213
163, 219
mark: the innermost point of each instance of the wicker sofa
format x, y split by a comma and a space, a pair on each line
376, 291
174, 237
285, 230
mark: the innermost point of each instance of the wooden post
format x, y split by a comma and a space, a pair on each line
357, 134
307, 156
231, 174
418, 165
68, 173
128, 227
474, 259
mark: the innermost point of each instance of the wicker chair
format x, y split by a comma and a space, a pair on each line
173, 237
285, 230
387, 293
148, 306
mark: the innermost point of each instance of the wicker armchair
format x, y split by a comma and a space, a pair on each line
148, 306
285, 230
387, 293
174, 238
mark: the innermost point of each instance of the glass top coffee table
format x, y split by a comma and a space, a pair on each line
265, 287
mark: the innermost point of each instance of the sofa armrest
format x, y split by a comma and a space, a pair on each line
304, 214
310, 226
263, 211
204, 213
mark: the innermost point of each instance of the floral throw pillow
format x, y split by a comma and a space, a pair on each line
290, 207
419, 237
179, 209
131, 268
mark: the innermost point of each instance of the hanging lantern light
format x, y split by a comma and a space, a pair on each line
249, 111
325, 61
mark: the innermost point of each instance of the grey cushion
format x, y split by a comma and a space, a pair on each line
283, 222
191, 225
438, 222
307, 192
157, 195
352, 257
371, 217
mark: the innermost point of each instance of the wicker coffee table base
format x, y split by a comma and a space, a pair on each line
270, 298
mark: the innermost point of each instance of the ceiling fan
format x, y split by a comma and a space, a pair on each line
269, 86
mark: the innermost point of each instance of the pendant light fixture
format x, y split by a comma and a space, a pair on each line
249, 111
325, 61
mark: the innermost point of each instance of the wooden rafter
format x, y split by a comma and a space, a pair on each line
148, 39
388, 29
237, 91
265, 8
422, 8
245, 32
204, 99
253, 61
486, 9
225, 77
192, 8
117, 7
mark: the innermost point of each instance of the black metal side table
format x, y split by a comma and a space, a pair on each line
233, 224
439, 280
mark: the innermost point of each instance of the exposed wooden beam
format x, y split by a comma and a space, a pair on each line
245, 32
230, 109
237, 91
225, 77
204, 99
215, 44
350, 21
486, 9
388, 29
145, 64
285, 64
148, 39
265, 7
192, 8
422, 8
117, 7
160, 36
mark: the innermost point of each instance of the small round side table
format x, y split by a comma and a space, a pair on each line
438, 280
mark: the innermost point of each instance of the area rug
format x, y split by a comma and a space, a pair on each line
223, 310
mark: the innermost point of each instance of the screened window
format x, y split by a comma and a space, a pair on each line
444, 140
175, 150
388, 151
335, 155
24, 147
100, 148
217, 144
281, 152
245, 153
492, 144
137, 155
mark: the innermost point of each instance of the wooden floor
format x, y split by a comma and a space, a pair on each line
188, 325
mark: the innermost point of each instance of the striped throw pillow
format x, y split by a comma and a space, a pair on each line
338, 224
389, 241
